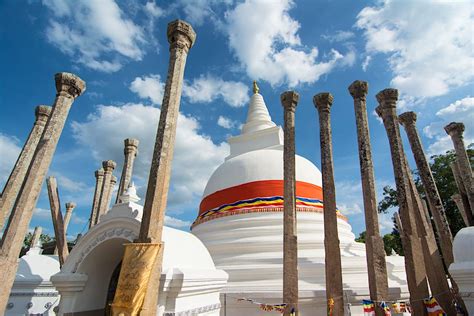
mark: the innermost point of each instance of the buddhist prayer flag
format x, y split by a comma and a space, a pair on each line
433, 308
386, 309
399, 307
330, 306
138, 261
369, 308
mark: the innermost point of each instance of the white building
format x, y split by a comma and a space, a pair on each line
240, 222
190, 284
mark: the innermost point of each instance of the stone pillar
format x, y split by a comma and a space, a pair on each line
181, 37
13, 184
435, 272
109, 166
67, 217
113, 182
36, 238
465, 215
99, 180
461, 187
456, 130
416, 273
334, 289
375, 252
68, 88
289, 100
130, 151
58, 223
408, 120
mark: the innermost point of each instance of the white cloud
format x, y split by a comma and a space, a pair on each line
176, 222
226, 122
150, 87
42, 214
10, 150
339, 36
190, 172
429, 44
96, 34
459, 111
208, 88
349, 197
264, 39
152, 9
366, 62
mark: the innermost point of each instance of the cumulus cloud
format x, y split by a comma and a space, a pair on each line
195, 156
149, 87
208, 88
429, 44
459, 111
264, 38
226, 122
176, 222
349, 197
339, 36
96, 34
42, 213
10, 150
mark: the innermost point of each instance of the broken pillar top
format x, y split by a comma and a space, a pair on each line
454, 129
69, 84
323, 101
99, 173
181, 34
131, 145
70, 205
359, 89
387, 97
407, 118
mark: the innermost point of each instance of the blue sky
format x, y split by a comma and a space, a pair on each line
423, 48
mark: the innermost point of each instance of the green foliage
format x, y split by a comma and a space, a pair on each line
361, 237
440, 167
43, 238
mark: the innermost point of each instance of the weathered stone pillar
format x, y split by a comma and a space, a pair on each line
416, 273
375, 252
58, 223
398, 221
289, 100
181, 37
70, 206
68, 88
35, 239
99, 180
456, 130
465, 215
408, 120
435, 272
130, 151
13, 184
461, 188
108, 166
113, 182
334, 289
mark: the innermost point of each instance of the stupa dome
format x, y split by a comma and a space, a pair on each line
251, 178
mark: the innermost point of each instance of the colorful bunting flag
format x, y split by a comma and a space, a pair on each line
369, 308
386, 309
433, 308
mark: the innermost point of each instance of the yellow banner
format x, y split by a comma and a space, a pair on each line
137, 264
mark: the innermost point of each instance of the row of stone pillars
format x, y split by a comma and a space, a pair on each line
418, 236
22, 190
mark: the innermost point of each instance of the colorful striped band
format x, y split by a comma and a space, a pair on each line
259, 196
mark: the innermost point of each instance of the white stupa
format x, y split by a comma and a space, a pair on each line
240, 222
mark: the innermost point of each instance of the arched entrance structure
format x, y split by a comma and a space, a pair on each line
190, 284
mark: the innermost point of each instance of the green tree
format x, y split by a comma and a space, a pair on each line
44, 238
361, 237
440, 167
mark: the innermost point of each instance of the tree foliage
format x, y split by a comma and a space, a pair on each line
44, 238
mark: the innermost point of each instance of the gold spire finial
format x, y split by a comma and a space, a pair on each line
255, 87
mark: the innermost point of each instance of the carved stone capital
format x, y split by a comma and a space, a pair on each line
42, 113
69, 84
359, 89
407, 118
70, 206
109, 165
323, 101
99, 173
454, 129
180, 35
131, 145
387, 97
289, 100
